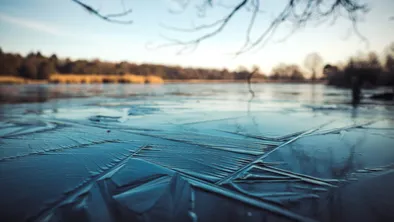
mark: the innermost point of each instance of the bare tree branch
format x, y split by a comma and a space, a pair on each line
311, 11
173, 43
358, 33
119, 14
314, 63
183, 4
108, 17
195, 28
298, 13
256, 8
273, 26
249, 80
221, 23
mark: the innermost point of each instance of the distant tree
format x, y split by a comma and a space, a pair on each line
257, 73
256, 69
295, 73
31, 55
389, 61
122, 68
28, 69
334, 75
389, 50
39, 55
242, 73
160, 71
279, 72
287, 72
10, 64
64, 66
45, 69
329, 70
313, 62
389, 65
53, 58
367, 66
365, 69
375, 68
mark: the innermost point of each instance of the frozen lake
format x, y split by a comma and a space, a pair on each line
194, 152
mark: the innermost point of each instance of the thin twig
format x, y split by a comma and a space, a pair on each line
221, 23
107, 18
256, 7
119, 14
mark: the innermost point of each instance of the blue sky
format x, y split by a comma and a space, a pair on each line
62, 27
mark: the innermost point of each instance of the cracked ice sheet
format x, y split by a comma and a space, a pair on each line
370, 199
335, 156
156, 178
59, 168
193, 117
44, 184
265, 124
27, 138
168, 196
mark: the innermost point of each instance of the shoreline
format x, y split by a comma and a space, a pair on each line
134, 79
197, 81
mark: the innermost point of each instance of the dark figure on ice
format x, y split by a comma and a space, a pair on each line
355, 79
356, 90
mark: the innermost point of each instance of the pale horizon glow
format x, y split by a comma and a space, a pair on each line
65, 29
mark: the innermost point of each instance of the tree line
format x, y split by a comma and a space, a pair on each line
368, 68
38, 66
372, 69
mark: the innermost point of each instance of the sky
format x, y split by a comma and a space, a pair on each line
63, 28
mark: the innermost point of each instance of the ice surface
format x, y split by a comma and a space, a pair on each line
194, 153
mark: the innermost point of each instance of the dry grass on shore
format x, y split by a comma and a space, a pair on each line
85, 79
128, 78
12, 80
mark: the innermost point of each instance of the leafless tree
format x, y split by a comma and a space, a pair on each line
389, 50
389, 62
298, 13
314, 63
287, 72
